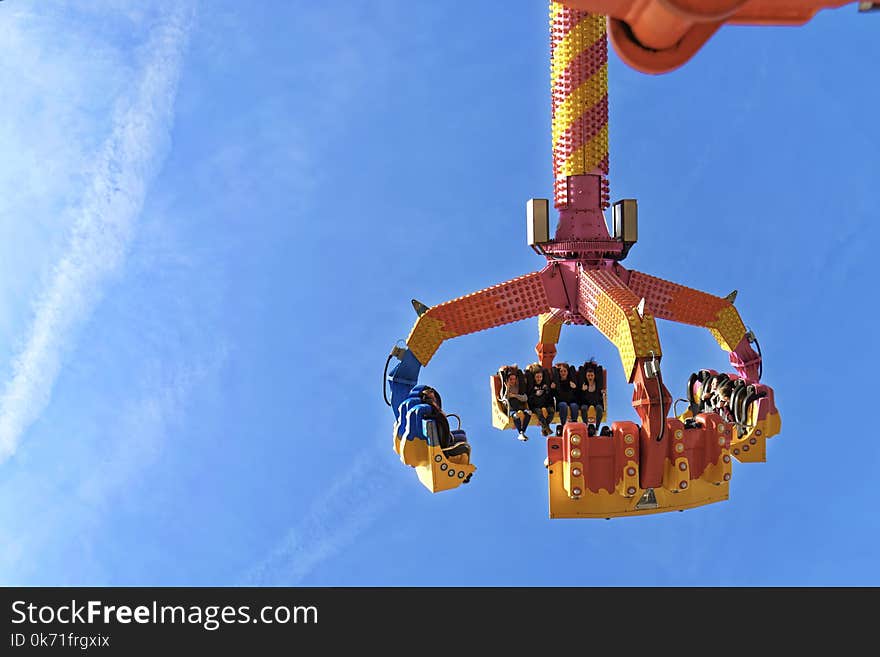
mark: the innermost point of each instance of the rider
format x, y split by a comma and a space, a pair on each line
448, 443
565, 391
513, 394
590, 394
541, 398
432, 398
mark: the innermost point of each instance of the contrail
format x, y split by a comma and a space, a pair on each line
126, 165
66, 510
351, 504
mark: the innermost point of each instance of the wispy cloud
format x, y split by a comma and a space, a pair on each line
67, 509
335, 519
127, 163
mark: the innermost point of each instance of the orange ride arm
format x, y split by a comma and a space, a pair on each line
511, 301
677, 303
657, 36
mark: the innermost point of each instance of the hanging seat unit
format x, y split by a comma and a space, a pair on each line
442, 463
629, 473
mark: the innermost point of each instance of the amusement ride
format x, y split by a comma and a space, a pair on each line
664, 462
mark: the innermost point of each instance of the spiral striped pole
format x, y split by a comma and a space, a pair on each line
579, 93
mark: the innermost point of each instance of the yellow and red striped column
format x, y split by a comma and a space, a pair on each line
579, 92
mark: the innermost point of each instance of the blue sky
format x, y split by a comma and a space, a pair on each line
212, 220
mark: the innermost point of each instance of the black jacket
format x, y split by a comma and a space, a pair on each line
586, 397
541, 395
564, 391
591, 398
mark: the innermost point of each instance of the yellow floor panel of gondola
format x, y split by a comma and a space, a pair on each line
611, 505
751, 447
441, 473
435, 470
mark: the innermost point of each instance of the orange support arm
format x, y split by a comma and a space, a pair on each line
500, 304
677, 303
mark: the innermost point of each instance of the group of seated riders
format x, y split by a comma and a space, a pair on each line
718, 393
540, 393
